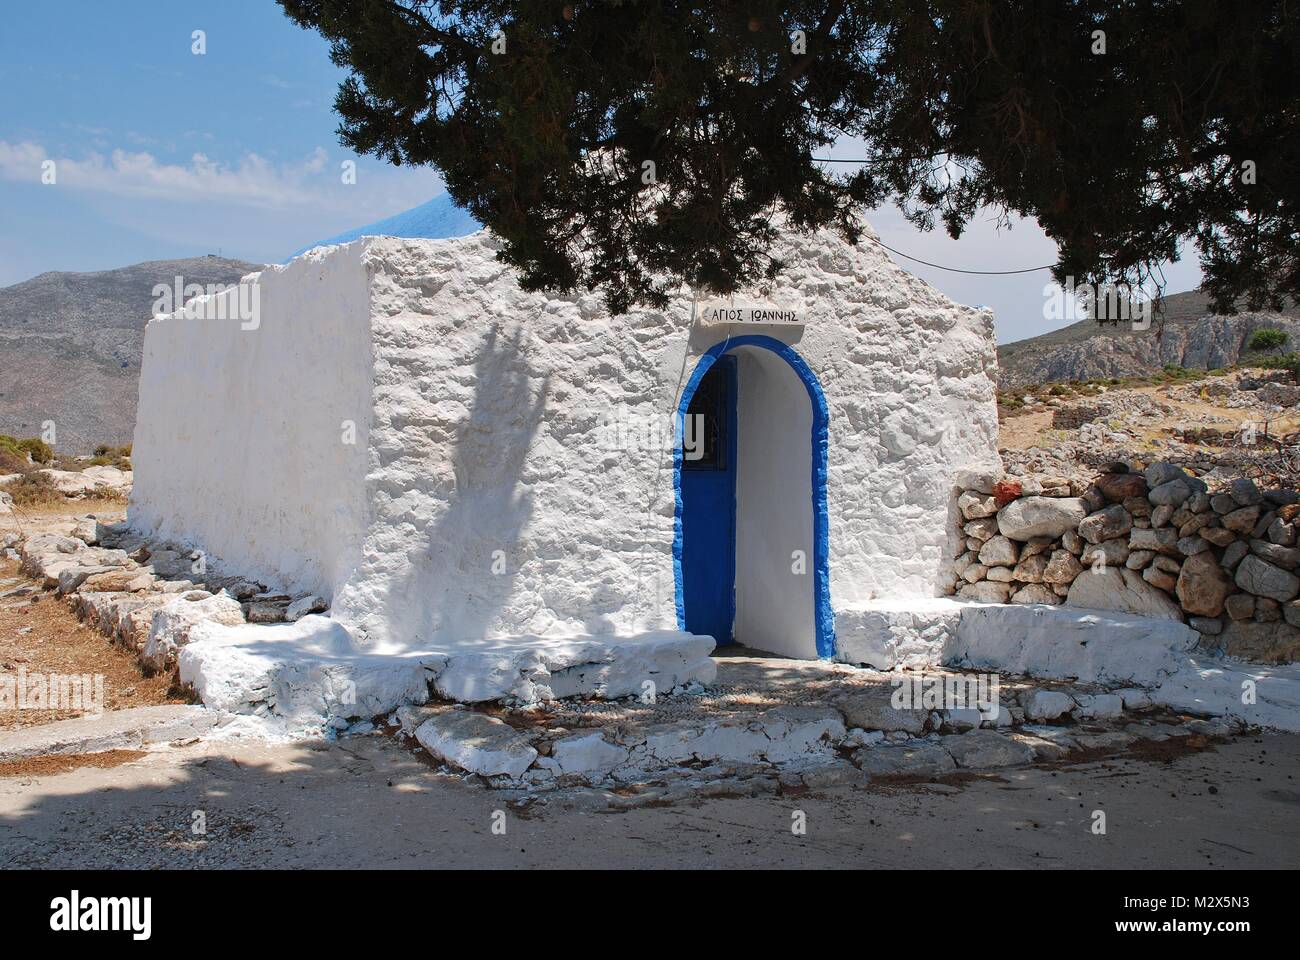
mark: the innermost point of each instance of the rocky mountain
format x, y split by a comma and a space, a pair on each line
70, 346
1185, 333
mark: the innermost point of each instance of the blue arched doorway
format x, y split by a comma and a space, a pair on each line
756, 433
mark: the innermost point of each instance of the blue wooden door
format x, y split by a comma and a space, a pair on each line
708, 486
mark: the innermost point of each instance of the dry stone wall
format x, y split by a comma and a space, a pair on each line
1158, 542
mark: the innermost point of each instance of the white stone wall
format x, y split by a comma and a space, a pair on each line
481, 501
238, 446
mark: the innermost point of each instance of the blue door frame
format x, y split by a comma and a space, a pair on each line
824, 617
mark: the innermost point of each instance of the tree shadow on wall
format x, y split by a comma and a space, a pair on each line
464, 574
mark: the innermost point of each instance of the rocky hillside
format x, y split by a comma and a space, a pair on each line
1189, 336
70, 347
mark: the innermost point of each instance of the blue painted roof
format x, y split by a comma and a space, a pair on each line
438, 219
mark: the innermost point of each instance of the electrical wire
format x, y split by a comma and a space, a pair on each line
983, 273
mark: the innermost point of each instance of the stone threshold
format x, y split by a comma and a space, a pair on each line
769, 722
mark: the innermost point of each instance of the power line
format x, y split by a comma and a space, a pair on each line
939, 266
984, 273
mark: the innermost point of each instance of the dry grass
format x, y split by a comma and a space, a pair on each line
50, 764
33, 489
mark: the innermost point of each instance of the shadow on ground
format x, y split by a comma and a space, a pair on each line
369, 802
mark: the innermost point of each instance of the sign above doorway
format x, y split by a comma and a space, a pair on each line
710, 314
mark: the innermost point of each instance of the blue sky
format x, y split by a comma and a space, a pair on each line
162, 153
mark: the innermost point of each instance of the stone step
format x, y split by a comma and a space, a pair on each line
112, 730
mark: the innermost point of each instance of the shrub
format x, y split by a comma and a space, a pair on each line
107, 455
1290, 362
39, 449
33, 488
1266, 339
1175, 371
11, 461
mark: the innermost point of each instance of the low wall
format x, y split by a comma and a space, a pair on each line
1158, 543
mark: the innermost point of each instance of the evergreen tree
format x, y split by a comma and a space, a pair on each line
631, 145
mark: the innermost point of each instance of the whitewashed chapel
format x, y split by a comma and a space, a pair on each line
455, 463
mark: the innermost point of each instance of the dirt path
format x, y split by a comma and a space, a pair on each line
40, 636
367, 802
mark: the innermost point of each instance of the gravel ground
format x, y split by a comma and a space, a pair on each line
748, 682
369, 802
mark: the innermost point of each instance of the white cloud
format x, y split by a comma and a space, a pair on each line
253, 181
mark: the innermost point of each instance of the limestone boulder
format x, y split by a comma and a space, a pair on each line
1034, 593
874, 710
1108, 552
1244, 492
982, 529
1062, 568
1288, 558
1159, 473
910, 759
477, 743
987, 591
1160, 578
1203, 586
1240, 606
173, 622
975, 505
1263, 579
1233, 553
1118, 487
1281, 533
1276, 642
1164, 540
984, 749
117, 580
1242, 520
1219, 536
998, 551
1138, 559
1114, 521
1123, 590
1035, 546
1047, 704
1031, 569
1032, 517
1170, 494
71, 579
